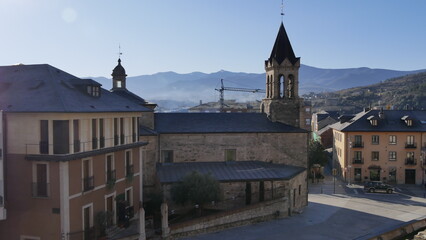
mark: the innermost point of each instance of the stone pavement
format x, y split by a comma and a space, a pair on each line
327, 186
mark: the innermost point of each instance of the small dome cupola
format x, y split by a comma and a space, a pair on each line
119, 76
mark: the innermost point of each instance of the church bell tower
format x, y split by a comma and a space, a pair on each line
282, 102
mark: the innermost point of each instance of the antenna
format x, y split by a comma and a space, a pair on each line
282, 10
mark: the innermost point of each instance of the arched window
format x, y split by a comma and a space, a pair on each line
290, 86
268, 86
282, 84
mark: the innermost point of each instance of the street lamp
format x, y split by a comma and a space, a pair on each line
349, 169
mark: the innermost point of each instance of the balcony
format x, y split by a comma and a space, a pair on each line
77, 146
110, 177
410, 145
88, 183
40, 189
410, 161
358, 161
358, 145
129, 171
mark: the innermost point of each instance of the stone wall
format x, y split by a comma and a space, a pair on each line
243, 216
278, 148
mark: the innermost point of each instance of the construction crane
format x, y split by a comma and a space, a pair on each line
223, 88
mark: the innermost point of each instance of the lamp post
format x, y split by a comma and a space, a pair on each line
349, 169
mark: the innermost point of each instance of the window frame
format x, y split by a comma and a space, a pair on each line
393, 139
230, 155
391, 155
375, 139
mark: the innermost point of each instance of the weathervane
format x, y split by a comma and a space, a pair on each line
282, 10
119, 51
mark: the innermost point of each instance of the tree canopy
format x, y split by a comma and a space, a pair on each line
196, 188
316, 154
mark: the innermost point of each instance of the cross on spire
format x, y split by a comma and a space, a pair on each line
282, 10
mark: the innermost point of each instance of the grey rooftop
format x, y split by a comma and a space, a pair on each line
228, 171
43, 88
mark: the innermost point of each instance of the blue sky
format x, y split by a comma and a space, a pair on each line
82, 37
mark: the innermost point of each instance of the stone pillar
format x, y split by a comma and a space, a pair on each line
142, 235
165, 220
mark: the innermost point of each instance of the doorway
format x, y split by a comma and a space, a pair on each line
410, 176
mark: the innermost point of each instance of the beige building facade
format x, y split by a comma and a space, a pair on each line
65, 164
381, 146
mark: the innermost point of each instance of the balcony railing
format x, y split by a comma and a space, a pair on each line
40, 189
111, 177
410, 145
358, 145
88, 183
43, 147
358, 161
129, 171
410, 161
94, 143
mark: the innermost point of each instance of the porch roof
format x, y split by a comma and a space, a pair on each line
236, 171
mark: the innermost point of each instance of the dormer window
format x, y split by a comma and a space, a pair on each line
93, 91
373, 120
408, 120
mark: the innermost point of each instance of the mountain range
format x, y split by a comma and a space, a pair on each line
188, 89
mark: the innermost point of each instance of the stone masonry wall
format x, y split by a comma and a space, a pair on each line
278, 148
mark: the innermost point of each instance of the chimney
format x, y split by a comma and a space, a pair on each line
381, 114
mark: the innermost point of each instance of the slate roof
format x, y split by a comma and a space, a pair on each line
228, 171
392, 122
282, 48
219, 123
43, 88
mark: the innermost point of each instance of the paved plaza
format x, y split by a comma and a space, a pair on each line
337, 211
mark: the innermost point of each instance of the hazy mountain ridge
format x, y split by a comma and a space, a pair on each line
196, 86
395, 93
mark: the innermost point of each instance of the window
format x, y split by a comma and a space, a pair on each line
375, 139
129, 164
410, 139
110, 170
87, 172
88, 222
76, 127
392, 139
167, 156
308, 121
357, 157
358, 141
410, 155
115, 131
94, 134
230, 154
61, 139
128, 196
308, 109
375, 156
357, 174
122, 131
44, 137
392, 156
101, 133
409, 122
40, 180
373, 122
93, 90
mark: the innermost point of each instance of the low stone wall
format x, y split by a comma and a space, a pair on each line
254, 213
401, 231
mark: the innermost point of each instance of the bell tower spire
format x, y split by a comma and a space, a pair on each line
282, 102
119, 74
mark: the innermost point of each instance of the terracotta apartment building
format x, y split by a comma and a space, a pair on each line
385, 145
69, 150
